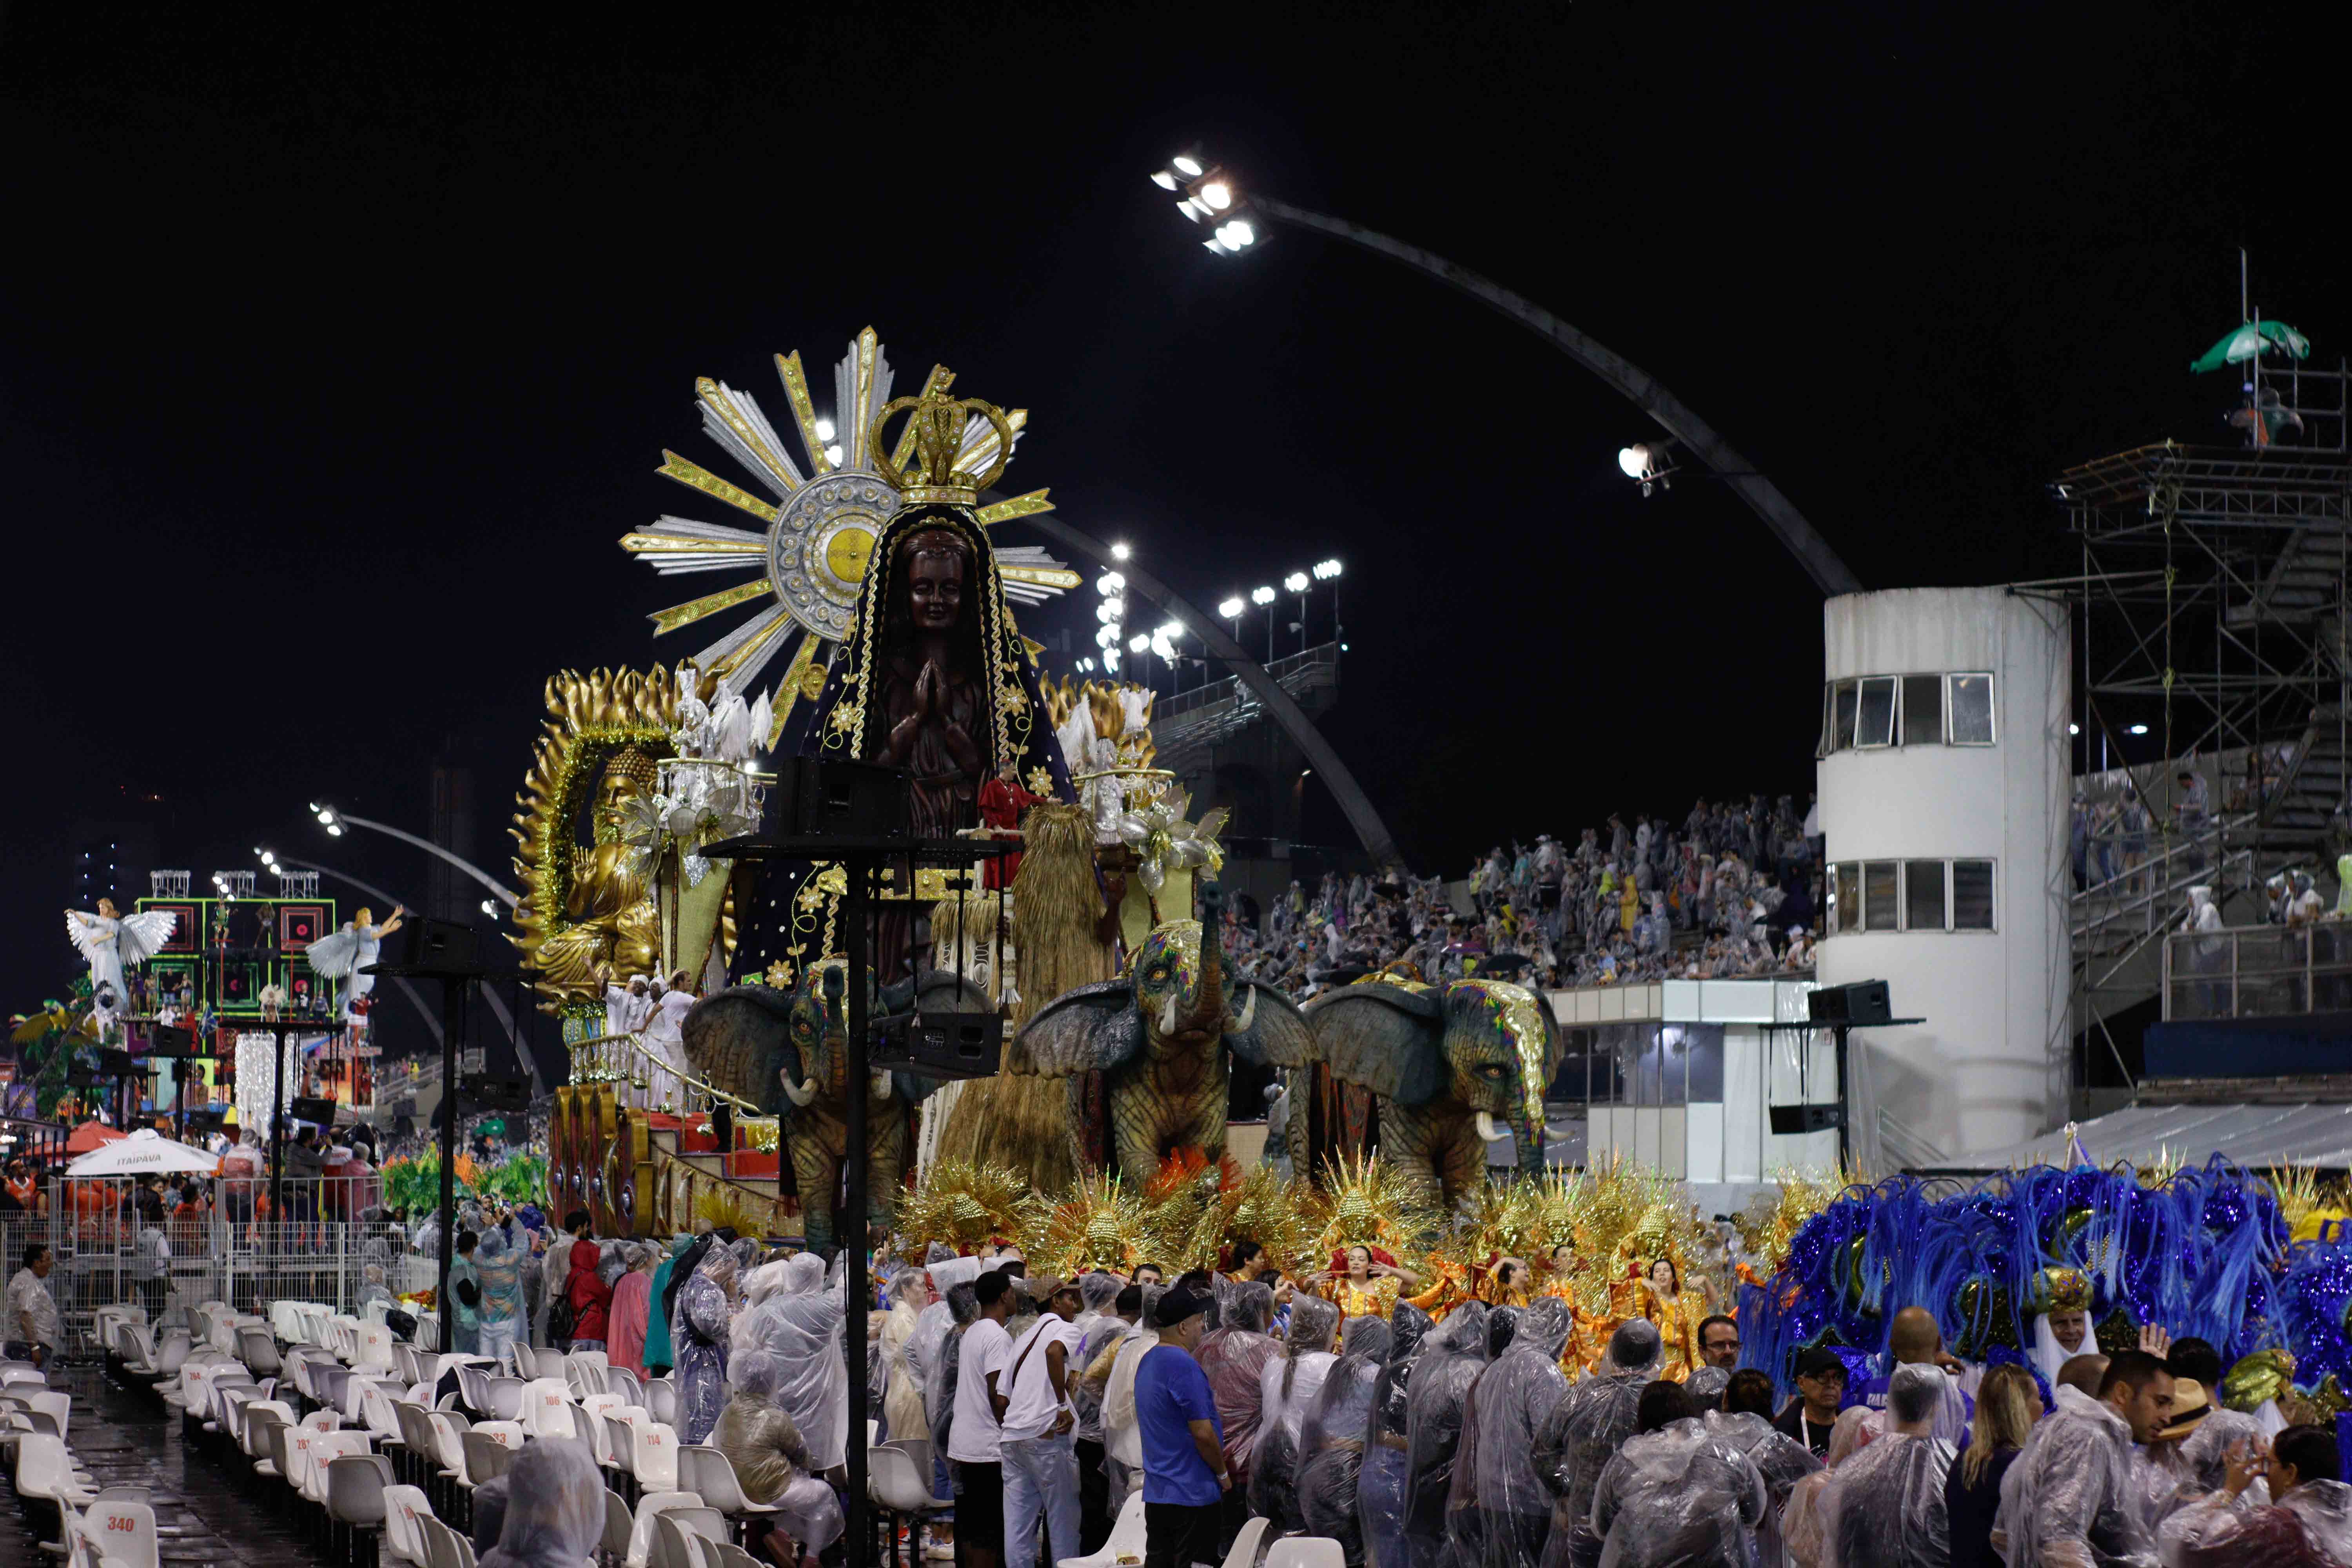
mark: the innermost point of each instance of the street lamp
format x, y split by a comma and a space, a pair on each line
1650, 462
1231, 609
1239, 220
335, 822
1297, 583
1262, 597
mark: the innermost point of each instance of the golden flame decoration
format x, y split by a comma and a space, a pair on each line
1097, 1224
960, 1204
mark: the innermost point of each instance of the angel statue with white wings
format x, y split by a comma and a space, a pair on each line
351, 950
111, 941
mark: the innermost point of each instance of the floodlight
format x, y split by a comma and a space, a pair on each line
490, 908
1137, 642
1120, 553
1187, 166
2074, 728
1217, 195
824, 429
1231, 609
1326, 570
1237, 233
1634, 460
1191, 209
1164, 178
1261, 596
1172, 629
1107, 636
1117, 608
2139, 730
1296, 582
833, 455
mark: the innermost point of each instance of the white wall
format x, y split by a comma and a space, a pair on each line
1989, 1066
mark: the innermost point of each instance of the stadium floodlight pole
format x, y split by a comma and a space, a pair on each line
334, 821
1233, 216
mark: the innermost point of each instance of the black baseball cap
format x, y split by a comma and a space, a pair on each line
1820, 1362
1176, 1305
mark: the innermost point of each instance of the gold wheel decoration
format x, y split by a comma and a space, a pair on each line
815, 538
589, 908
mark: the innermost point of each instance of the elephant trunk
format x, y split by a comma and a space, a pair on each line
1208, 1014
1527, 1138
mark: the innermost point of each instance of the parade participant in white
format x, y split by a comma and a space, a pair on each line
111, 942
352, 950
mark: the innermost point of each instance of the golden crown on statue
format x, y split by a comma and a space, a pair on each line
931, 461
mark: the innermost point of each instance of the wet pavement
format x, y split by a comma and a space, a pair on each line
204, 1512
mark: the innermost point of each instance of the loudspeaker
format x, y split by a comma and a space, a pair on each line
815, 797
939, 1044
1861, 1005
428, 943
483, 1092
171, 1040
1788, 1120
320, 1111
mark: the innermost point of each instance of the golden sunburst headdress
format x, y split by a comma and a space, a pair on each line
832, 493
962, 1205
1097, 1224
1364, 1199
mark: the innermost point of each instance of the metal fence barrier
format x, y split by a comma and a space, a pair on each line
107, 1256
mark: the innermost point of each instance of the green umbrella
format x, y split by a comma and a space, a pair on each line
2245, 342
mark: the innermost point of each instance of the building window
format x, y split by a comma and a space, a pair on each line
1972, 895
1879, 905
1841, 700
1923, 895
1874, 724
1846, 897
1971, 706
1923, 710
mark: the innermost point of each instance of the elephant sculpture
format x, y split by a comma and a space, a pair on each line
1158, 1034
1451, 1064
786, 1052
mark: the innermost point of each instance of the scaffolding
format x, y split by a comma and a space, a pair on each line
2211, 620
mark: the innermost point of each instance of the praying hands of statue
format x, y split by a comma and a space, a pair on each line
932, 710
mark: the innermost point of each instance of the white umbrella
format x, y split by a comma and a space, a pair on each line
145, 1152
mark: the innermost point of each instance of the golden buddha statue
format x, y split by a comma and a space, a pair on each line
610, 925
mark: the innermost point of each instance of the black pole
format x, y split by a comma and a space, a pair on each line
278, 1129
1845, 1110
854, 1148
453, 1025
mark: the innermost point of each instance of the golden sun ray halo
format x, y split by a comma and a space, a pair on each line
810, 549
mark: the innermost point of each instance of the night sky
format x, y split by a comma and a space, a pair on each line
339, 345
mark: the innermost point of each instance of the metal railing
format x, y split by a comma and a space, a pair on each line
105, 1256
645, 1081
2258, 972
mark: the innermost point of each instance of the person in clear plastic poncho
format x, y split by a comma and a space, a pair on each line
699, 1334
800, 1324
1885, 1505
1672, 1497
1512, 1404
2068, 1500
555, 1507
1744, 1423
962, 1303
1588, 1424
1331, 1439
1451, 1360
1464, 1525
1234, 1357
1122, 1433
1381, 1486
760, 1439
1288, 1386
2310, 1523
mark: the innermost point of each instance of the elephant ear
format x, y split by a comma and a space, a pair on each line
1091, 1029
1278, 1031
1384, 1037
739, 1039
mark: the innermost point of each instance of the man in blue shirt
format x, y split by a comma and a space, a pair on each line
1184, 1474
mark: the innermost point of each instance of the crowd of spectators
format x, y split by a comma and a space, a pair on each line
1732, 889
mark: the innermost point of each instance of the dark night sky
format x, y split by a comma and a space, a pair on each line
337, 348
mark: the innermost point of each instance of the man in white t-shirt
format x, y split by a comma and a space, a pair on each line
975, 1442
1040, 1452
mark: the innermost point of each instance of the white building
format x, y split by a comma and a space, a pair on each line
1943, 784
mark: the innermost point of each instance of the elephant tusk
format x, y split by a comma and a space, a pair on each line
882, 1084
800, 1094
1487, 1128
1249, 1010
1168, 1015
